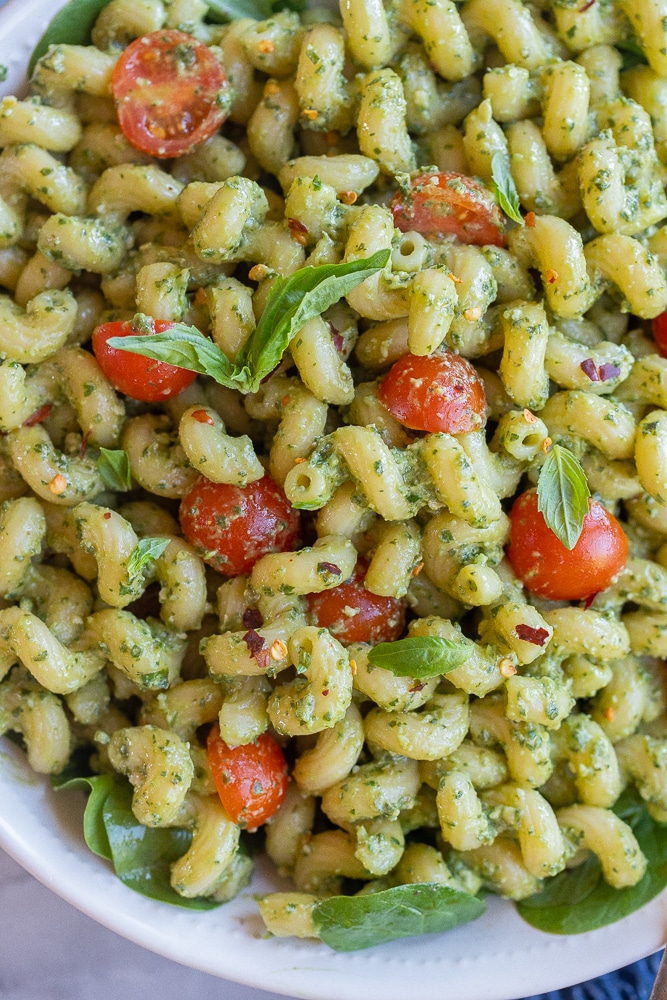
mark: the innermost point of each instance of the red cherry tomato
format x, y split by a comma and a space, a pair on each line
547, 568
436, 392
251, 779
660, 333
232, 527
137, 376
441, 204
170, 92
353, 614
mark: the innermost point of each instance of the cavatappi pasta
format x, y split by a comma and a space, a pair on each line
118, 633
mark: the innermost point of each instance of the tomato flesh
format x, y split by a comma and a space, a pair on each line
435, 392
445, 204
354, 614
548, 569
250, 779
232, 527
136, 376
660, 333
170, 92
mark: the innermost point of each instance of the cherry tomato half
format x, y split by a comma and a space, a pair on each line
660, 333
353, 614
251, 779
434, 392
139, 377
440, 204
171, 93
547, 568
232, 527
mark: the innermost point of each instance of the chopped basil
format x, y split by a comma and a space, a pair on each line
562, 495
421, 655
291, 303
505, 188
146, 550
348, 923
113, 466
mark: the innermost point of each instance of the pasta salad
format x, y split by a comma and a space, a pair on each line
333, 468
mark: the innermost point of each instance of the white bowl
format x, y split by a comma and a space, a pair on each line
498, 957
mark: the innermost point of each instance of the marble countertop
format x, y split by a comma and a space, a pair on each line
50, 951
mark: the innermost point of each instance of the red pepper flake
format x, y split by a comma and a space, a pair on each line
202, 417
38, 416
252, 619
107, 515
609, 714
589, 600
589, 368
551, 276
348, 197
338, 339
537, 636
325, 692
586, 6
327, 567
530, 219
298, 231
257, 647
608, 371
417, 686
84, 443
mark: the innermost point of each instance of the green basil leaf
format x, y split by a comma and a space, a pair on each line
183, 346
562, 495
94, 830
146, 550
232, 10
421, 655
295, 300
72, 25
579, 900
348, 923
113, 466
505, 188
632, 52
291, 303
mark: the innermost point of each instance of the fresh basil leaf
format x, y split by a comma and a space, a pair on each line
579, 900
349, 923
505, 188
94, 830
232, 10
72, 25
183, 346
295, 300
146, 550
562, 495
421, 655
632, 52
290, 304
113, 466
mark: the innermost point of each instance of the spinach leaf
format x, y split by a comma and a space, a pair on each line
579, 900
349, 923
144, 552
71, 25
290, 304
141, 855
421, 655
562, 495
113, 466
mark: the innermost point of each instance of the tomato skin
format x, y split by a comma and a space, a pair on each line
442, 204
232, 527
136, 376
660, 333
379, 619
547, 568
434, 392
251, 779
170, 93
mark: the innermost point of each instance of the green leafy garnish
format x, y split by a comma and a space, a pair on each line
505, 188
579, 900
146, 550
113, 466
141, 856
71, 25
562, 495
291, 303
421, 655
232, 10
632, 52
349, 923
